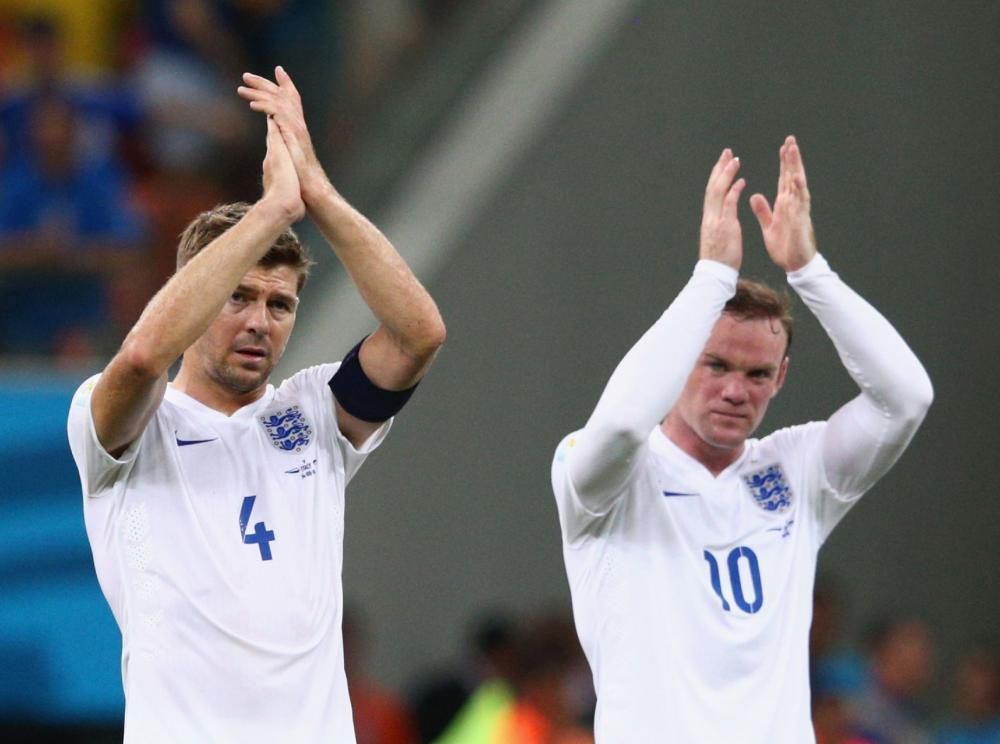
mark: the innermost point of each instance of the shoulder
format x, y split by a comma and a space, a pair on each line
566, 444
796, 452
312, 378
792, 439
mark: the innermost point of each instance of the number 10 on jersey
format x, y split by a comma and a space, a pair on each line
737, 556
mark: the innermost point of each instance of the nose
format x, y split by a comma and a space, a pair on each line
734, 391
257, 317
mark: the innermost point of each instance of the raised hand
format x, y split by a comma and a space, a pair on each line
281, 102
721, 237
787, 228
281, 182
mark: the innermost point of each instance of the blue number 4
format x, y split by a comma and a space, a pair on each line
261, 535
733, 564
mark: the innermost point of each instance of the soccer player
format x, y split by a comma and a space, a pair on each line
690, 546
214, 504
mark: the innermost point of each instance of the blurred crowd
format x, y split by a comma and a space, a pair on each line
119, 122
525, 680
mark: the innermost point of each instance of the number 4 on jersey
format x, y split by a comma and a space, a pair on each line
261, 535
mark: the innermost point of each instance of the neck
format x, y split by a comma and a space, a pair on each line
211, 394
715, 459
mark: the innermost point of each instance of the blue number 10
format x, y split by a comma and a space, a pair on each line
733, 565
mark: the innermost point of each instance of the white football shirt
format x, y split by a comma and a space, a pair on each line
218, 542
693, 595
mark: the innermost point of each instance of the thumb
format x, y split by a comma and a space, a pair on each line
762, 210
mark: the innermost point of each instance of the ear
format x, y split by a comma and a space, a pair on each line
782, 373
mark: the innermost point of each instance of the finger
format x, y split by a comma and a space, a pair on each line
761, 210
275, 142
284, 79
783, 183
732, 199
263, 107
256, 81
252, 94
720, 186
719, 164
796, 166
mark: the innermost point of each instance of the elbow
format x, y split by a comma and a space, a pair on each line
919, 394
142, 358
436, 334
427, 338
618, 439
923, 394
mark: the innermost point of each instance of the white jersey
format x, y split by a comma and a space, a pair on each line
692, 593
692, 597
218, 542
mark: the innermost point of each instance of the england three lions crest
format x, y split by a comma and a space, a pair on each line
769, 488
289, 431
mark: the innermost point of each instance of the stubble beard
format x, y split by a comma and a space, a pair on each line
237, 380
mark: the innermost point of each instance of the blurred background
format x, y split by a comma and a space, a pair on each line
541, 164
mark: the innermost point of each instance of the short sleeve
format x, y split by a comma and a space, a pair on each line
99, 471
311, 386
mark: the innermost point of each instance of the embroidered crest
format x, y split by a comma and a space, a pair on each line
769, 488
288, 429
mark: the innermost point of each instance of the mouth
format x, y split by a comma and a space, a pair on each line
730, 415
254, 353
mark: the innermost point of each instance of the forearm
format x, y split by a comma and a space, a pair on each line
185, 307
382, 277
647, 383
868, 434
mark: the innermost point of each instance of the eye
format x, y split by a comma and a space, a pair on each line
239, 297
716, 365
281, 307
760, 374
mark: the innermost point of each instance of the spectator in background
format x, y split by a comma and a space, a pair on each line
90, 32
108, 114
976, 699
68, 231
185, 76
198, 137
901, 659
380, 717
836, 673
832, 716
440, 697
493, 694
68, 239
546, 710
828, 658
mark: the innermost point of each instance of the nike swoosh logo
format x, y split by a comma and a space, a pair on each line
677, 493
186, 442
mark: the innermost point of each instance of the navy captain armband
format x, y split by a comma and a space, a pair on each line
361, 397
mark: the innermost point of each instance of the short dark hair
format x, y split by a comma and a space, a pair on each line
207, 226
755, 300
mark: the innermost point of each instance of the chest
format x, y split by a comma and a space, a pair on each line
252, 484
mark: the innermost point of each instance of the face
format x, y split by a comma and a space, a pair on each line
245, 342
741, 368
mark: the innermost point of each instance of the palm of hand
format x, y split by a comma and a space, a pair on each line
789, 237
788, 232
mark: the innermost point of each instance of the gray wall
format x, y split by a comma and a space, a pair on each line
894, 104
